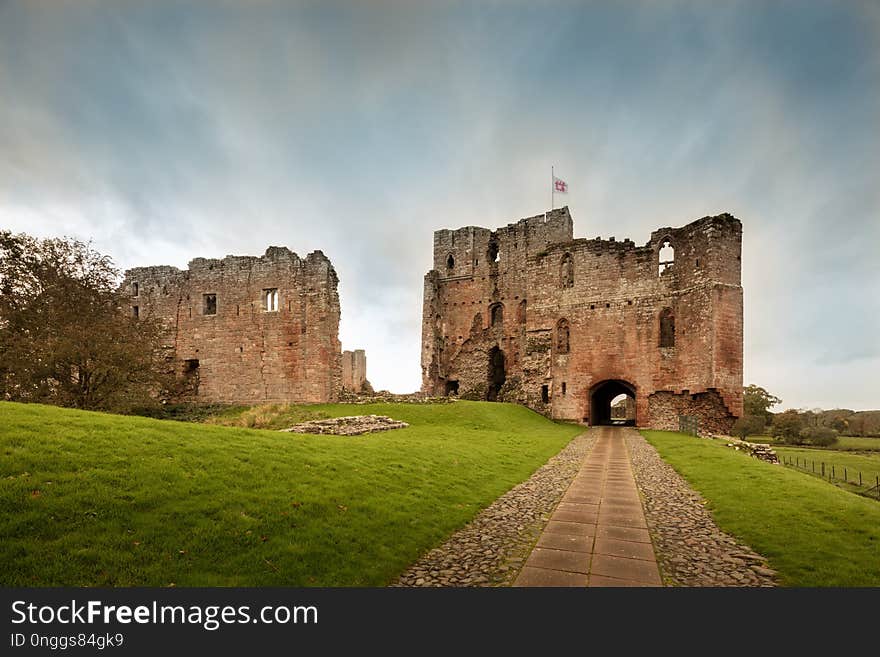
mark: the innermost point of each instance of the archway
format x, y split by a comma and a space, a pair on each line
601, 397
496, 375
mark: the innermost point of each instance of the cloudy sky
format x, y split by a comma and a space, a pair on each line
165, 131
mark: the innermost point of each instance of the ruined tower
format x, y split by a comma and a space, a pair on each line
566, 326
354, 370
247, 329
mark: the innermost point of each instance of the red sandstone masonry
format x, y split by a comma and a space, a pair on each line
246, 352
611, 307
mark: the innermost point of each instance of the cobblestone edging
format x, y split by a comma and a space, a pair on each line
491, 549
691, 549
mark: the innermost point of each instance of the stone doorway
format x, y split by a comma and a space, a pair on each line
497, 374
622, 394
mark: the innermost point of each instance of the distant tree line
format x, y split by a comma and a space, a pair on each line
800, 426
67, 336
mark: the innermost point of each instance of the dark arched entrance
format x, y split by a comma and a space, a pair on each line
601, 396
497, 375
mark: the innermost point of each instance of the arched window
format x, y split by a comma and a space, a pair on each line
496, 315
521, 313
566, 272
667, 328
666, 255
562, 336
493, 253
450, 262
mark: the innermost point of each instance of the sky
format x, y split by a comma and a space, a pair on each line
164, 131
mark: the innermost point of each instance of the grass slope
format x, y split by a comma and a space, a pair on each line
813, 533
89, 499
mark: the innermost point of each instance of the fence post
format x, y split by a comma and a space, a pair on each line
844, 474
860, 477
823, 469
833, 474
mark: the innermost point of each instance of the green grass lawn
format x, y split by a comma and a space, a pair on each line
90, 499
844, 443
812, 532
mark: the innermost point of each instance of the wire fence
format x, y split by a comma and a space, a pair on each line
836, 473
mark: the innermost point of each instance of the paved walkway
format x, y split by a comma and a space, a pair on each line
597, 536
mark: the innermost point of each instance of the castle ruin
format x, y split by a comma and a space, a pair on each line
566, 326
247, 329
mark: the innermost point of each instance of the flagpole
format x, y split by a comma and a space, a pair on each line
552, 186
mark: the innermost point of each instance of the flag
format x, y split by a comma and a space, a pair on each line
560, 186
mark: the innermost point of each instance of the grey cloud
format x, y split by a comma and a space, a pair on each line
169, 132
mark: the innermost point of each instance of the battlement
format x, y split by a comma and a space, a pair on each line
467, 251
273, 255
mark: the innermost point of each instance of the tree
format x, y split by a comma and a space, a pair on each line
819, 436
787, 427
757, 402
748, 425
66, 337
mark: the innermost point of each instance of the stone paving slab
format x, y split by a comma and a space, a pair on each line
570, 528
566, 542
547, 577
572, 562
597, 536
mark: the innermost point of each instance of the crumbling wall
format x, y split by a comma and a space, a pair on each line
247, 329
713, 416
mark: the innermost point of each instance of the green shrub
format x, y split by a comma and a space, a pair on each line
819, 436
748, 425
787, 427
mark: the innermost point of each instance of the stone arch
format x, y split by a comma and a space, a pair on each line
493, 253
563, 336
601, 395
566, 271
496, 315
667, 328
497, 373
521, 312
666, 255
450, 261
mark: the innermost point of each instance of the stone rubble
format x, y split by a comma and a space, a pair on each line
691, 549
351, 425
761, 451
492, 548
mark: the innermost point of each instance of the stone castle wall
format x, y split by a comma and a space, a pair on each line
520, 289
247, 329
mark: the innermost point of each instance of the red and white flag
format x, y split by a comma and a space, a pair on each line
560, 186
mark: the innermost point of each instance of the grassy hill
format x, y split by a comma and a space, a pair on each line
90, 499
812, 532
